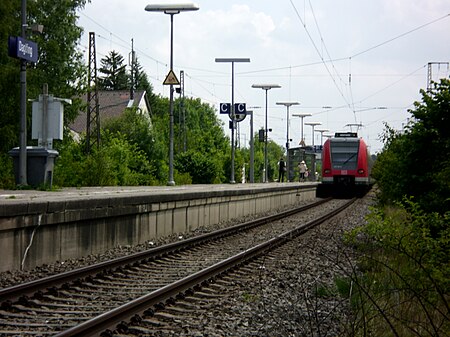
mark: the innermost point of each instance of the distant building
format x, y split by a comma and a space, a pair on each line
112, 104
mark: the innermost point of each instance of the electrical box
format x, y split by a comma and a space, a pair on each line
49, 126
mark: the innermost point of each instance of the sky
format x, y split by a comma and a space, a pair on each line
345, 62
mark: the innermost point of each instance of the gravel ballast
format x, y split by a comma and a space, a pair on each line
290, 292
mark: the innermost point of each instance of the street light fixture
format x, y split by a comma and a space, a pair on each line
265, 87
287, 105
321, 134
233, 115
252, 149
302, 116
313, 124
171, 9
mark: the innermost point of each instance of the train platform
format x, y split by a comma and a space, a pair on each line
74, 222
74, 193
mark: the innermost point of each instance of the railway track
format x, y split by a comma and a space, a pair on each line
90, 300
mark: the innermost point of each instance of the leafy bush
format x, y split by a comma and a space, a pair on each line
6, 173
115, 162
406, 263
403, 277
201, 168
416, 162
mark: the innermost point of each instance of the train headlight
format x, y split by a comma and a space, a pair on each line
361, 171
327, 171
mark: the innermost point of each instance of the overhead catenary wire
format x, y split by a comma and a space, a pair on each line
401, 35
318, 52
290, 67
200, 83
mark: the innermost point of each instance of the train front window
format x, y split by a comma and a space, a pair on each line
344, 154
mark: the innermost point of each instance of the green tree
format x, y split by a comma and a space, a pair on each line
113, 68
140, 78
61, 63
416, 162
274, 153
205, 136
202, 168
116, 162
60, 66
138, 130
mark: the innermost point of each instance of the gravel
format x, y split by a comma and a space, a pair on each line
291, 292
11, 278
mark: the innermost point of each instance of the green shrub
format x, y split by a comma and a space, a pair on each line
405, 261
202, 168
7, 180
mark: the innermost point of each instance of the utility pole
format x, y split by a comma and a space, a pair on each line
131, 62
93, 110
430, 77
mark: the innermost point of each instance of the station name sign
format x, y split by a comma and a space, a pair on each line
22, 49
240, 111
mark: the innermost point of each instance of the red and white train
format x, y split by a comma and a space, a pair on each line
346, 166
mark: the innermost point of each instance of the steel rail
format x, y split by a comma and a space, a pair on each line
132, 310
30, 288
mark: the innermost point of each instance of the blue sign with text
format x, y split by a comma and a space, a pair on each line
23, 49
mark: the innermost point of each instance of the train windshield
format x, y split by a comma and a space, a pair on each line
344, 154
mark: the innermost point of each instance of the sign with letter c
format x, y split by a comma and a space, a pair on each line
225, 108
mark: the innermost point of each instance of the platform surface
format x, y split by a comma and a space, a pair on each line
73, 193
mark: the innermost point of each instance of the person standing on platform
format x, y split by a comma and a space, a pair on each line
302, 169
281, 170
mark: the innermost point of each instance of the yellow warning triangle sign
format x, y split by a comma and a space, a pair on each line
171, 79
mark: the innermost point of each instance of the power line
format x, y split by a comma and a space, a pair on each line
347, 57
318, 52
401, 35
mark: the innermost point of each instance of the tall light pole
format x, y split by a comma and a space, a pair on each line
313, 124
287, 105
171, 9
321, 134
302, 116
265, 87
252, 149
233, 115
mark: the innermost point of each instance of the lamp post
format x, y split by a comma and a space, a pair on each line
171, 9
287, 105
233, 115
265, 87
321, 134
302, 116
252, 149
313, 124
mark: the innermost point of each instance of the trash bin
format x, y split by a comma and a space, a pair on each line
40, 164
